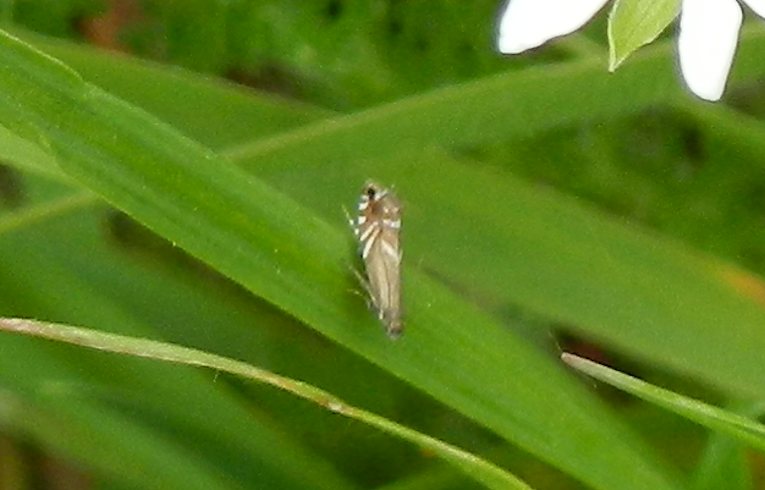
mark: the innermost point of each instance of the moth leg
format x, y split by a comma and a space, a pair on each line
363, 296
362, 280
367, 289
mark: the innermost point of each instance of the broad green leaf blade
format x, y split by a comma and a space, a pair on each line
535, 277
565, 260
287, 255
483, 471
742, 428
635, 23
170, 91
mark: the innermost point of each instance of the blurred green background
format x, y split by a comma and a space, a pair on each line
671, 170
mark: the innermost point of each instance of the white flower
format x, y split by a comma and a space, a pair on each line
706, 45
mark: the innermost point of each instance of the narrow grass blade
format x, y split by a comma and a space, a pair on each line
742, 428
481, 470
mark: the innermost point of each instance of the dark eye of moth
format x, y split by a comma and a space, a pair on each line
371, 192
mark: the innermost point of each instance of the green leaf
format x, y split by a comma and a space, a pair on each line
288, 255
169, 91
742, 428
648, 295
635, 23
319, 160
481, 470
603, 319
489, 109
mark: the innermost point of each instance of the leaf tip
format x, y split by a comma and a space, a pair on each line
569, 359
576, 362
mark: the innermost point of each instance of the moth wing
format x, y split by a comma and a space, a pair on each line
383, 271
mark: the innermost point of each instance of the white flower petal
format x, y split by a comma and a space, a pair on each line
526, 24
707, 43
758, 6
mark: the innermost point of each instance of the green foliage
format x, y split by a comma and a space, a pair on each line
542, 195
635, 23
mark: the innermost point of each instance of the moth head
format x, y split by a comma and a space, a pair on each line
372, 190
384, 203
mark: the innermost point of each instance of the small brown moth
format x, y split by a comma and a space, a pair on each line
377, 228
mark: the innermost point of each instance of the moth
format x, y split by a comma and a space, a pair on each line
378, 228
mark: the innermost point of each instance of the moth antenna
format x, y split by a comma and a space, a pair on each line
362, 280
350, 220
